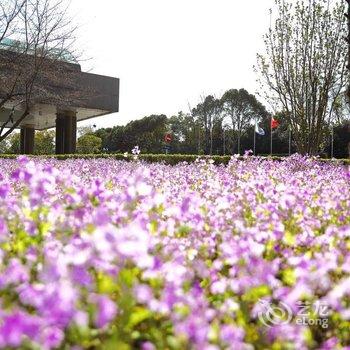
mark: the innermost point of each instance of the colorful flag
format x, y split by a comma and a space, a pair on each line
258, 130
274, 123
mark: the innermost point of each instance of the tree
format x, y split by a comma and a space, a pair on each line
347, 15
85, 130
206, 112
104, 134
3, 147
186, 132
242, 108
36, 39
304, 67
148, 133
341, 140
341, 109
44, 142
89, 144
12, 144
116, 140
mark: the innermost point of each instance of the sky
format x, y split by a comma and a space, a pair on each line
169, 53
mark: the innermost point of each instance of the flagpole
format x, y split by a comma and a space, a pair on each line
224, 142
254, 136
290, 141
332, 144
271, 137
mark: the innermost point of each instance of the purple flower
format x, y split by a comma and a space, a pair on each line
106, 310
196, 244
143, 293
231, 334
3, 229
16, 326
52, 338
147, 346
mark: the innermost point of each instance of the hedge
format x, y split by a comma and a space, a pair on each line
171, 159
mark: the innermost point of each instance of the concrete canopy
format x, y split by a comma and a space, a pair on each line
38, 93
98, 96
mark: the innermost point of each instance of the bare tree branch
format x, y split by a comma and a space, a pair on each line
36, 38
303, 69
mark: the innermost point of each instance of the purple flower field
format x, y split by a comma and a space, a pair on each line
106, 254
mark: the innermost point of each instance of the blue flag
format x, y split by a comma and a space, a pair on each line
259, 130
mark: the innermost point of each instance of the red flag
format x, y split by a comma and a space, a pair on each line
274, 123
168, 138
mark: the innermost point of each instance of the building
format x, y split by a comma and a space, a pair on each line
70, 95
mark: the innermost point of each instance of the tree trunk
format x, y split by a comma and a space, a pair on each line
239, 142
348, 17
348, 92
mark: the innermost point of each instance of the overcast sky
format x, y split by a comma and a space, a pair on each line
167, 53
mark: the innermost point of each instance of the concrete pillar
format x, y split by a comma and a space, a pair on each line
74, 132
27, 139
70, 132
60, 134
66, 132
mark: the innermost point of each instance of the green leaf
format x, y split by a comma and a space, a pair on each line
138, 315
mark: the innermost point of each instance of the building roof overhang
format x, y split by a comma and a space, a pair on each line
97, 95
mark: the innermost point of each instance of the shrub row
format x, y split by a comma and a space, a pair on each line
171, 159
